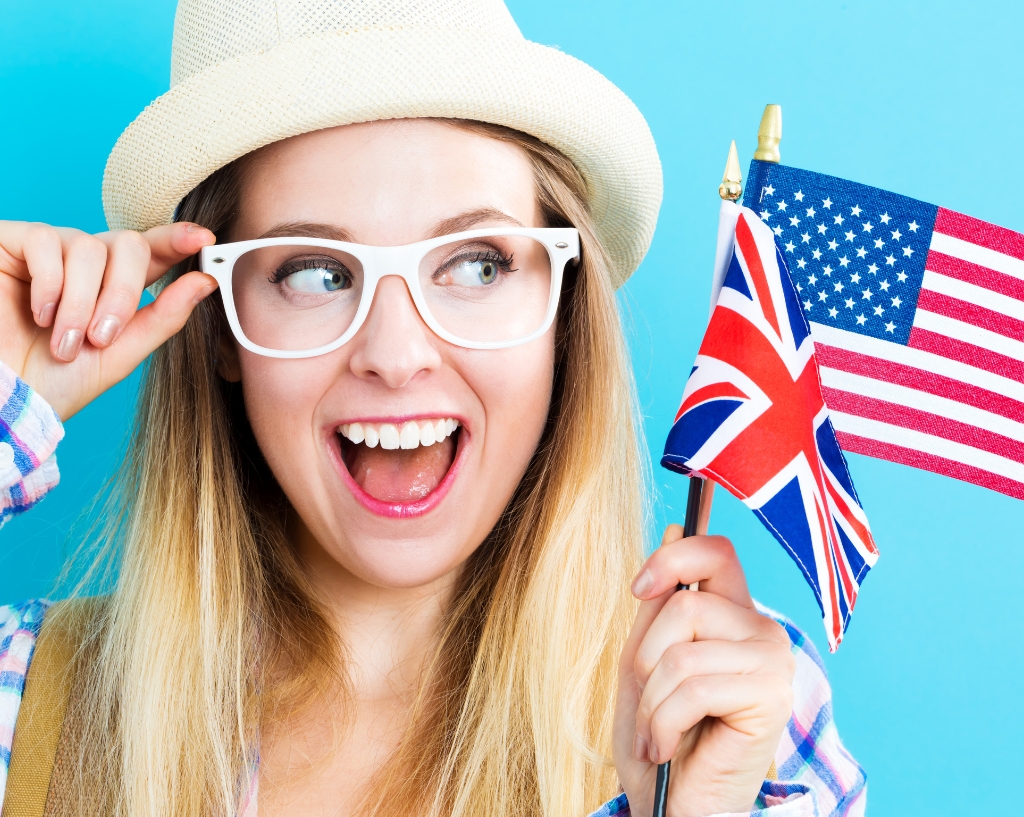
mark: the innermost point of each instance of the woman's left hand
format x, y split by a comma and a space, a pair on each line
704, 680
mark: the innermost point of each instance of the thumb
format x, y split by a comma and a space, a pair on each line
156, 323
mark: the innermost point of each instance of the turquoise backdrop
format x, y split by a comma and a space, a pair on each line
922, 98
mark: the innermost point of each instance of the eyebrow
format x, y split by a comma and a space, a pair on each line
455, 224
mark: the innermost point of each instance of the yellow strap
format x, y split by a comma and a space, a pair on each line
773, 774
43, 706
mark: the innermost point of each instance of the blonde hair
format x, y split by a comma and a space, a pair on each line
210, 629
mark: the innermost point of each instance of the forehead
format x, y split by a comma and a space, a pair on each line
385, 182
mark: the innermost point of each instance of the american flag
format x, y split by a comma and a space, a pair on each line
917, 314
753, 419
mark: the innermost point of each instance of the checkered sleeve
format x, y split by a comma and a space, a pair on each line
29, 433
19, 629
816, 776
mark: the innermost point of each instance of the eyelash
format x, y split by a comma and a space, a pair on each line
292, 267
503, 261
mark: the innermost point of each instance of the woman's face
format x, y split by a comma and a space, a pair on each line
405, 517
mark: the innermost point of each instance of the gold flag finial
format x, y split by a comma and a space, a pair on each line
731, 187
769, 134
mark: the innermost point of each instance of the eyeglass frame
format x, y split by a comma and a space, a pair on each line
218, 260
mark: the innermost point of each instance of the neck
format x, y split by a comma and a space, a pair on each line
388, 633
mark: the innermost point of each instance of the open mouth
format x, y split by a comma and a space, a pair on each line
398, 464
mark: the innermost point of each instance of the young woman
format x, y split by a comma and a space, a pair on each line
373, 546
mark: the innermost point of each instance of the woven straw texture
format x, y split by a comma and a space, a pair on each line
246, 73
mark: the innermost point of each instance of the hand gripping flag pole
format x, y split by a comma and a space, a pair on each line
702, 491
753, 417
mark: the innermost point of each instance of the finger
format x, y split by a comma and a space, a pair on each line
85, 258
170, 244
754, 706
700, 616
156, 322
645, 616
128, 256
33, 252
710, 560
690, 659
672, 532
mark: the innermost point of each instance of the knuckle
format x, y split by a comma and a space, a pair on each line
696, 690
134, 245
121, 298
661, 722
643, 666
777, 634
723, 548
779, 698
42, 237
89, 248
644, 712
688, 605
676, 659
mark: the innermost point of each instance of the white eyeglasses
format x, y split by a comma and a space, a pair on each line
481, 289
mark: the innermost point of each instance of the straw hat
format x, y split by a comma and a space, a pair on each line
245, 73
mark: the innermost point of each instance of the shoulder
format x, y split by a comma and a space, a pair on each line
19, 629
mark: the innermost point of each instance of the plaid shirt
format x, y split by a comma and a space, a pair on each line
816, 775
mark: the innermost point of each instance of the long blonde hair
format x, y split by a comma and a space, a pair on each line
210, 629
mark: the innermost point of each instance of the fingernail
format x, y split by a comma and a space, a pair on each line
46, 314
206, 290
106, 330
197, 228
640, 749
70, 344
652, 754
642, 584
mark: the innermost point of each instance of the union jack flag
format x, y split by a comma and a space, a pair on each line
753, 419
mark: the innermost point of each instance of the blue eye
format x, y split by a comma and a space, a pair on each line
481, 269
314, 276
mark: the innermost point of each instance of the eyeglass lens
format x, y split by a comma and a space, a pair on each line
299, 297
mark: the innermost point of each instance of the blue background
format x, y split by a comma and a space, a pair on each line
919, 98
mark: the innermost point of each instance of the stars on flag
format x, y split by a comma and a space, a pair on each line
843, 229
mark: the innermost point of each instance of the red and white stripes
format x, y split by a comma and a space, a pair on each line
952, 400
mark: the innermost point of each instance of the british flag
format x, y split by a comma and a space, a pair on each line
753, 419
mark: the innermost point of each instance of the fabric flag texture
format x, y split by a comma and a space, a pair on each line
753, 419
917, 314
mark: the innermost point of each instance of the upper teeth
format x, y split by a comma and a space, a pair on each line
390, 436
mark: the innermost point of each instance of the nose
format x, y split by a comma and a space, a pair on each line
394, 345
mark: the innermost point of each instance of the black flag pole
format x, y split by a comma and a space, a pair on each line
689, 529
698, 500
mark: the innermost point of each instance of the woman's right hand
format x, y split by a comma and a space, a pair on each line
70, 326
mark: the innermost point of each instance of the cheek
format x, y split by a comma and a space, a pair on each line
280, 400
515, 392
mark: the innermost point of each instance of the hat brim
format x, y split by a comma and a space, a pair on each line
345, 77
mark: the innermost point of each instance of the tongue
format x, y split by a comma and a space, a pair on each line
400, 475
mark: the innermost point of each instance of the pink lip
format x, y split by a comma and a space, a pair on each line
398, 510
